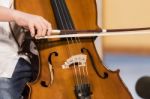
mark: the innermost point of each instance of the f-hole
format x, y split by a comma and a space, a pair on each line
43, 83
105, 74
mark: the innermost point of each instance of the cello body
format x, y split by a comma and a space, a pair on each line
70, 68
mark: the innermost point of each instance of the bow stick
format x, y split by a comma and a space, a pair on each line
92, 33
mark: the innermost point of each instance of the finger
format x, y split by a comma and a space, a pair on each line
44, 28
44, 21
48, 25
32, 29
49, 29
38, 28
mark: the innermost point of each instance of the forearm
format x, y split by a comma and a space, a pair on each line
32, 22
6, 14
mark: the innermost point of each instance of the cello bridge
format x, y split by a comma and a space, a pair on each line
79, 59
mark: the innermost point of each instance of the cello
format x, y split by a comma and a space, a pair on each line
70, 68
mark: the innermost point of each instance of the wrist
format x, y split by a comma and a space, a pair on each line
13, 15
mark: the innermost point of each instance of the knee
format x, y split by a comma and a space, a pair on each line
6, 94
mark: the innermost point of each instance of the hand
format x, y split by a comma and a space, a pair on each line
33, 23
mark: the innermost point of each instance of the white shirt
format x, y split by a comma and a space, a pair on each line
8, 47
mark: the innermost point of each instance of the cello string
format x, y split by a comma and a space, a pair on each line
82, 74
69, 51
57, 3
77, 42
84, 69
68, 48
69, 25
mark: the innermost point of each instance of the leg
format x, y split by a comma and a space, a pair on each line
12, 88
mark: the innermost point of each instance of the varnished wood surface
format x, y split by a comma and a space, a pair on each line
63, 86
84, 16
